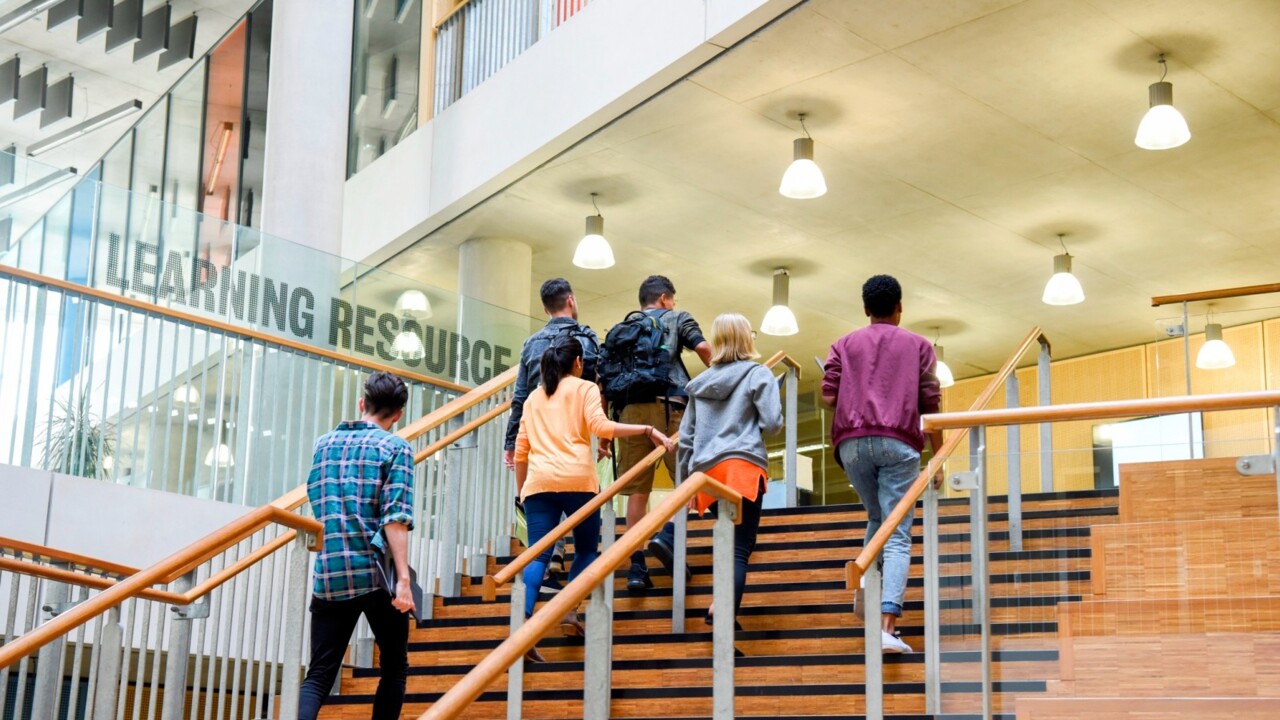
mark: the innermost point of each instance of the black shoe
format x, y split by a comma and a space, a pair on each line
638, 578
659, 548
550, 586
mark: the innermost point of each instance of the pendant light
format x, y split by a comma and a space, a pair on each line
408, 346
803, 180
1063, 288
220, 457
1215, 354
186, 395
780, 320
413, 302
593, 251
945, 377
1163, 127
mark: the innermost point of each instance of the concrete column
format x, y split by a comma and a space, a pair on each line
307, 118
495, 282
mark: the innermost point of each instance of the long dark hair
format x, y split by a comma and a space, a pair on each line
557, 361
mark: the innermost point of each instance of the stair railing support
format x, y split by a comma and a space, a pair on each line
597, 691
515, 675
679, 581
450, 575
179, 649
980, 563
107, 682
791, 415
48, 682
722, 595
872, 645
1275, 447
1014, 433
932, 611
1044, 379
295, 622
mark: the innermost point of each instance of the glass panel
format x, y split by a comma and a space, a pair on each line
384, 78
224, 124
255, 115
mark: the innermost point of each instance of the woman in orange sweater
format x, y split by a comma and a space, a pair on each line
555, 466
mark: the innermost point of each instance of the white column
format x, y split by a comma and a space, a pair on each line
495, 282
307, 118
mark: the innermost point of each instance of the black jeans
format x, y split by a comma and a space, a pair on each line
744, 541
332, 623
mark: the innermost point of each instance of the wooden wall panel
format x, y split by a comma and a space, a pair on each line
1220, 664
1148, 708
1202, 558
1168, 616
961, 397
1115, 375
1193, 490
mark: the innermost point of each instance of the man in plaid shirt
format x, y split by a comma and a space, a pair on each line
361, 484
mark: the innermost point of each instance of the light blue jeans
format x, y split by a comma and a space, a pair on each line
881, 470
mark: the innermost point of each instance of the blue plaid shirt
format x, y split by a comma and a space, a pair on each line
361, 479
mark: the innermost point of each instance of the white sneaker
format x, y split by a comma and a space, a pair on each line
892, 645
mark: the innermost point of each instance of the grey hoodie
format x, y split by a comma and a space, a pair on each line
732, 405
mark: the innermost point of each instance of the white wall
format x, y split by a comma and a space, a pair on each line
610, 57
117, 523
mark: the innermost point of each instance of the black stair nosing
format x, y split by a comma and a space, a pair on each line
832, 633
952, 656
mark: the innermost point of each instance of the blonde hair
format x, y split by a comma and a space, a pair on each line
731, 339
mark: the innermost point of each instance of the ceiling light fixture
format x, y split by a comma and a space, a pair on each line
1163, 127
36, 186
97, 121
945, 377
220, 457
1063, 288
408, 346
1215, 354
780, 320
216, 171
593, 251
413, 302
803, 180
186, 395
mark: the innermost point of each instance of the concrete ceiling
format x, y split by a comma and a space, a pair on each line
102, 81
958, 138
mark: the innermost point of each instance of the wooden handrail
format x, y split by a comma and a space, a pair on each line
495, 663
1102, 410
102, 566
1216, 294
163, 572
71, 577
220, 326
504, 576
439, 23
463, 431
907, 505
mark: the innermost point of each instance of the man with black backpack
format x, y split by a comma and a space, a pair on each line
644, 377
561, 307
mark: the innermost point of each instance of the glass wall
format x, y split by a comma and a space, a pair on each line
386, 55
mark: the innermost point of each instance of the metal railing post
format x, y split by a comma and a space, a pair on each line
48, 682
981, 566
1014, 434
977, 522
1044, 378
932, 608
107, 682
791, 414
515, 675
722, 595
450, 575
179, 649
1275, 448
294, 623
872, 645
680, 560
597, 688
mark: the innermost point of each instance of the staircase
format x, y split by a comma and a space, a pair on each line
802, 640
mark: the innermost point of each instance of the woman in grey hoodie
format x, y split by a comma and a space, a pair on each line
732, 406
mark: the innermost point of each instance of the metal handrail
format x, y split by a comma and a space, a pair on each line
514, 647
189, 558
858, 566
1102, 410
503, 576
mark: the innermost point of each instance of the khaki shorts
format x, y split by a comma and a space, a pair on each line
631, 450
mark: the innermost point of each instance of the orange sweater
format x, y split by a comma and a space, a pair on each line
555, 438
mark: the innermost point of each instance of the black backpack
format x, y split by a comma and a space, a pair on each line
636, 364
590, 348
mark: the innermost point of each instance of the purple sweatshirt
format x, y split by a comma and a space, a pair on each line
883, 381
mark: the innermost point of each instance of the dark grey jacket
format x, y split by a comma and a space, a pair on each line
731, 407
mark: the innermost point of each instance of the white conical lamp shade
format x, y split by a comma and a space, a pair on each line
593, 251
413, 302
779, 321
945, 378
220, 456
408, 346
1163, 127
803, 180
1215, 354
186, 395
1063, 288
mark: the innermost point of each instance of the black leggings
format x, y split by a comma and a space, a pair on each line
332, 622
744, 540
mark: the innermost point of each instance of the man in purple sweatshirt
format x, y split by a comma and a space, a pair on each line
879, 380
